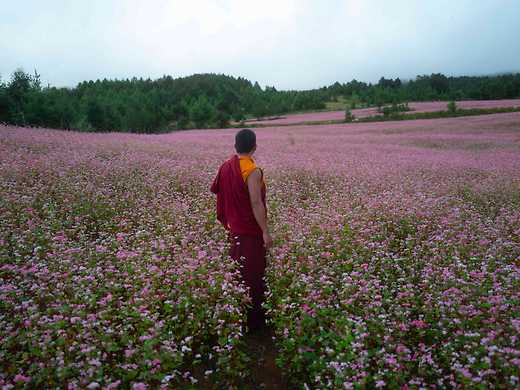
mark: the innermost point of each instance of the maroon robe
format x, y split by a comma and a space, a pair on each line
235, 212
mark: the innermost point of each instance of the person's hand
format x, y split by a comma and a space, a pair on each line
268, 240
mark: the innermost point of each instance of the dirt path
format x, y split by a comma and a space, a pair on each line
262, 352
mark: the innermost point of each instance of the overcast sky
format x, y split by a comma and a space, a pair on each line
289, 44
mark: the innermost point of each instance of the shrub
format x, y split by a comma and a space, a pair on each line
349, 117
452, 107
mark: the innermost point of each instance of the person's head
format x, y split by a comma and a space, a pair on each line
245, 141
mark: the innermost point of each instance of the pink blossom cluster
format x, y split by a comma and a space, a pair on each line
372, 111
396, 261
399, 262
113, 272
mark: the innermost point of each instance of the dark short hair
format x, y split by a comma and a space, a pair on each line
245, 141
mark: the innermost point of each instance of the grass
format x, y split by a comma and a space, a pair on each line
342, 103
440, 114
339, 105
398, 117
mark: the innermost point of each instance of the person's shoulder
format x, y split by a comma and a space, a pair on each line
256, 173
227, 161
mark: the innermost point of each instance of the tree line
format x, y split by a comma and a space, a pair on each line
144, 105
212, 100
427, 88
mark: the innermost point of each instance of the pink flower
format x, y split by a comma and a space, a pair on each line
113, 385
94, 362
402, 327
307, 309
419, 324
139, 386
391, 360
145, 337
22, 378
401, 348
129, 352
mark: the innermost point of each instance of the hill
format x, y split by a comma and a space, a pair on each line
213, 100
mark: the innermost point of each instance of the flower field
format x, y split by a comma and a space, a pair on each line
396, 261
367, 112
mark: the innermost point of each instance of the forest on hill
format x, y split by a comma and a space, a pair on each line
213, 100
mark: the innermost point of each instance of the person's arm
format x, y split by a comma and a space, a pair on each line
254, 185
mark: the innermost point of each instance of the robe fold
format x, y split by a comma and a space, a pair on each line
234, 209
249, 252
235, 212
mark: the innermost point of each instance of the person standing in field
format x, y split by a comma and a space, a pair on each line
241, 208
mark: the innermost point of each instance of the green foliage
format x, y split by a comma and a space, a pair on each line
440, 114
138, 105
425, 88
211, 100
17, 93
4, 103
452, 107
202, 112
349, 117
394, 109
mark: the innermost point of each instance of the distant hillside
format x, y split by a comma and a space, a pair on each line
213, 100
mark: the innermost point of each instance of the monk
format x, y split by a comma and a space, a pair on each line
241, 208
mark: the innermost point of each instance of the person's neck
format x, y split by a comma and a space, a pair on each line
245, 155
